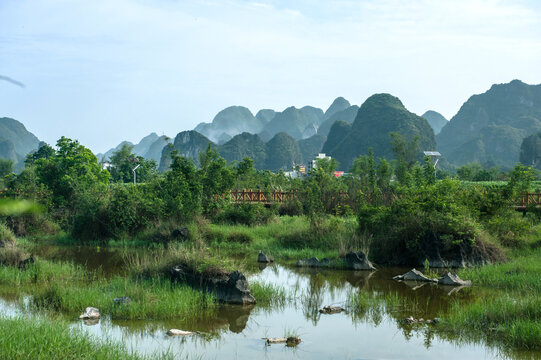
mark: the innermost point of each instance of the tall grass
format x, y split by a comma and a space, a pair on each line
513, 320
40, 339
288, 238
68, 288
521, 273
150, 299
270, 295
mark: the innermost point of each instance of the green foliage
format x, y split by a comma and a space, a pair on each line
520, 181
426, 222
244, 214
73, 167
216, 179
476, 172
6, 167
181, 189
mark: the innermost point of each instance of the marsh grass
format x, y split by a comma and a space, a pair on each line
514, 320
23, 338
150, 299
270, 295
521, 273
67, 288
287, 238
196, 258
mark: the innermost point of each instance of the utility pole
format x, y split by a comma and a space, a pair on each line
134, 175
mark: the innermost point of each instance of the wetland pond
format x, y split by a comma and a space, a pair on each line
373, 331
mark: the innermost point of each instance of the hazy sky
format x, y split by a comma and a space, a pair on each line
103, 71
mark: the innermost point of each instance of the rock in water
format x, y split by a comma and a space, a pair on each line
313, 262
262, 258
177, 332
453, 280
414, 275
229, 288
90, 313
358, 261
289, 341
276, 340
329, 309
293, 341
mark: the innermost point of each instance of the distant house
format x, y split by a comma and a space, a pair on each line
313, 164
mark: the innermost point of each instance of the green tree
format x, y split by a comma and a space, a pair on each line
6, 167
45, 151
216, 178
406, 153
72, 168
180, 189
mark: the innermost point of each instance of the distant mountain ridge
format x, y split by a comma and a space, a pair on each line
16, 141
377, 117
149, 147
436, 120
490, 127
281, 152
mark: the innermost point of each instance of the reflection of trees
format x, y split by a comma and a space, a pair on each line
312, 299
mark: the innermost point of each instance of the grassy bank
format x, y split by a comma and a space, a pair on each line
67, 288
510, 316
42, 339
286, 238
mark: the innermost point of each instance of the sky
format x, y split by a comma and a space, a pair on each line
104, 71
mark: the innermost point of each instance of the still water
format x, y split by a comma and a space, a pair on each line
237, 332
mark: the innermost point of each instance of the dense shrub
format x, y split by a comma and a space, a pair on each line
429, 222
244, 214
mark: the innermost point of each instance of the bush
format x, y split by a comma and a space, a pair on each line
430, 222
244, 214
290, 208
32, 225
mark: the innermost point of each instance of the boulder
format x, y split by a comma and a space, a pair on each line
177, 332
413, 275
262, 258
453, 280
180, 233
90, 313
329, 309
358, 261
228, 288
